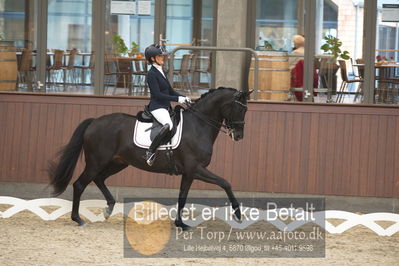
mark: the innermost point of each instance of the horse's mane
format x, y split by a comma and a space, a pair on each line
212, 91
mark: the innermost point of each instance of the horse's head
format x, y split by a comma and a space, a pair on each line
233, 111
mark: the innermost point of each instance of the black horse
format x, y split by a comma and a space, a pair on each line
108, 147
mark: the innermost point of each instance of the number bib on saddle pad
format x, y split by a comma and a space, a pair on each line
142, 136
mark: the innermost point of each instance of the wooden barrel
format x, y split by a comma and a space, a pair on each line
9, 68
273, 76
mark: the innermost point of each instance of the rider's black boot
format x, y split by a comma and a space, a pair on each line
150, 154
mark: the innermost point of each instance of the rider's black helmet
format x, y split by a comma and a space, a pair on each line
154, 50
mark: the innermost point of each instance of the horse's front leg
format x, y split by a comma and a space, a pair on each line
205, 175
185, 185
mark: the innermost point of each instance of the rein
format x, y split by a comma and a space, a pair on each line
221, 126
213, 123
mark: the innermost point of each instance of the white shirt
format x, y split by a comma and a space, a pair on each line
159, 68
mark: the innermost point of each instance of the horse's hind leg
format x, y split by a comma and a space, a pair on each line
78, 187
111, 169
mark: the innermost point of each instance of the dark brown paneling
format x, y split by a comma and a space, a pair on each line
395, 176
312, 150
288, 147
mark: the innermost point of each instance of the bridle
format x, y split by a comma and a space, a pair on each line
226, 126
230, 124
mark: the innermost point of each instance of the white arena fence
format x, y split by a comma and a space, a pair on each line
64, 206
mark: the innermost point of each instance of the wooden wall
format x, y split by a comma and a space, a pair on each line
288, 147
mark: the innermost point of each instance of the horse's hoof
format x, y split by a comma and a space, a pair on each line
186, 228
79, 221
183, 226
107, 213
82, 224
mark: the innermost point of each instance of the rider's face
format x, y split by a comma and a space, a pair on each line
159, 59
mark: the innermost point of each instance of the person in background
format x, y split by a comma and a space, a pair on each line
298, 51
296, 64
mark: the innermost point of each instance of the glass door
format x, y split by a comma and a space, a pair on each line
386, 60
204, 35
69, 57
18, 45
128, 31
190, 23
338, 72
204, 18
276, 30
179, 24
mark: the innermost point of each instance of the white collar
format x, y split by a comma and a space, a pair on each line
159, 68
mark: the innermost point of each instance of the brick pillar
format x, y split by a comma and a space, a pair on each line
347, 24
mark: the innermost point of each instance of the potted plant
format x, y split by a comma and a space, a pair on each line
332, 47
134, 49
381, 60
268, 46
120, 47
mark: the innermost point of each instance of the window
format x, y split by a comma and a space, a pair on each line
276, 23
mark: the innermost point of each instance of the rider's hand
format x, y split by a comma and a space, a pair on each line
188, 100
182, 99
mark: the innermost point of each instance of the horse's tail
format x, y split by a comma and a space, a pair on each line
61, 173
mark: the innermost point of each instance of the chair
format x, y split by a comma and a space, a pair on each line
83, 68
26, 72
191, 69
112, 70
125, 73
56, 66
356, 75
206, 71
184, 72
140, 74
360, 69
70, 67
345, 81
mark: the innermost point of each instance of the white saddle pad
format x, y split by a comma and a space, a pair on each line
141, 137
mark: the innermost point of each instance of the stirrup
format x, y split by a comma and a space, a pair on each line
150, 158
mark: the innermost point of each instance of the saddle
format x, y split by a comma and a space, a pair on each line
145, 116
146, 122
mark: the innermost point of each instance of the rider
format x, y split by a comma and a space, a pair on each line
162, 94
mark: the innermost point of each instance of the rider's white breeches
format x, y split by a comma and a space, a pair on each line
162, 115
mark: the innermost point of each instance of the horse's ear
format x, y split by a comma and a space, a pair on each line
246, 94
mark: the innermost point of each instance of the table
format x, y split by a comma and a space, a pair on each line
385, 75
126, 70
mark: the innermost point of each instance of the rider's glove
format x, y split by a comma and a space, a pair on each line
188, 100
182, 99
